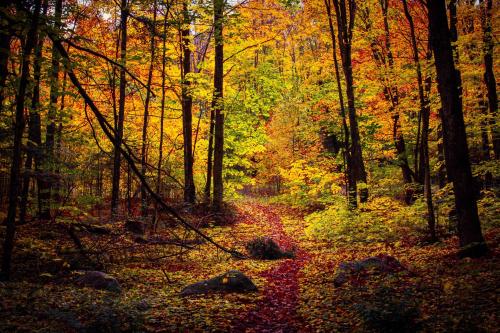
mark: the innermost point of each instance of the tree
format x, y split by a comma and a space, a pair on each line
454, 136
146, 109
345, 23
5, 38
425, 109
187, 106
52, 115
115, 192
218, 105
489, 74
385, 62
351, 179
15, 171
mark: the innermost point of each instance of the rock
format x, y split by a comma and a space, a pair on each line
136, 227
99, 280
266, 248
232, 281
381, 264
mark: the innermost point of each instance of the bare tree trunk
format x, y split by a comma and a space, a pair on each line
144, 203
52, 116
5, 38
115, 194
454, 135
187, 105
208, 184
392, 95
163, 95
218, 105
489, 74
31, 41
425, 114
345, 27
351, 180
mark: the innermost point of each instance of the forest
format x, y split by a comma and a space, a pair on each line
249, 166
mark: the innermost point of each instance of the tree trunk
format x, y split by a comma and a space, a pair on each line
5, 38
208, 184
144, 203
454, 135
424, 115
392, 95
351, 180
163, 95
489, 74
345, 27
187, 105
115, 194
16, 151
52, 116
218, 105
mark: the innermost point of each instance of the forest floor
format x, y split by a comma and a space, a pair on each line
436, 292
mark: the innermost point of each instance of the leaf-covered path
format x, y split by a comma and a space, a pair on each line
277, 311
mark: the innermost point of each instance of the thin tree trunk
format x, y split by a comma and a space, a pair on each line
115, 194
454, 135
489, 74
345, 27
52, 116
34, 144
187, 105
163, 95
424, 115
57, 185
392, 95
218, 105
144, 204
208, 184
351, 180
31, 41
5, 38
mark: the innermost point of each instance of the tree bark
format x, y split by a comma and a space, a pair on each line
208, 184
425, 114
115, 194
144, 203
489, 74
218, 105
345, 26
162, 107
16, 151
351, 179
454, 135
52, 116
5, 38
187, 106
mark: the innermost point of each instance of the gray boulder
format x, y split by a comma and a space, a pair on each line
229, 282
99, 280
381, 264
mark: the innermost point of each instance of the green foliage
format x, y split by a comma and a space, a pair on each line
382, 219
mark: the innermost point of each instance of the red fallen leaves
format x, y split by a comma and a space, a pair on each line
277, 311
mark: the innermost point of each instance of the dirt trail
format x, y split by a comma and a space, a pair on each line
277, 312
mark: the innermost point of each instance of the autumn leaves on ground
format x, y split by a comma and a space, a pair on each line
431, 291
